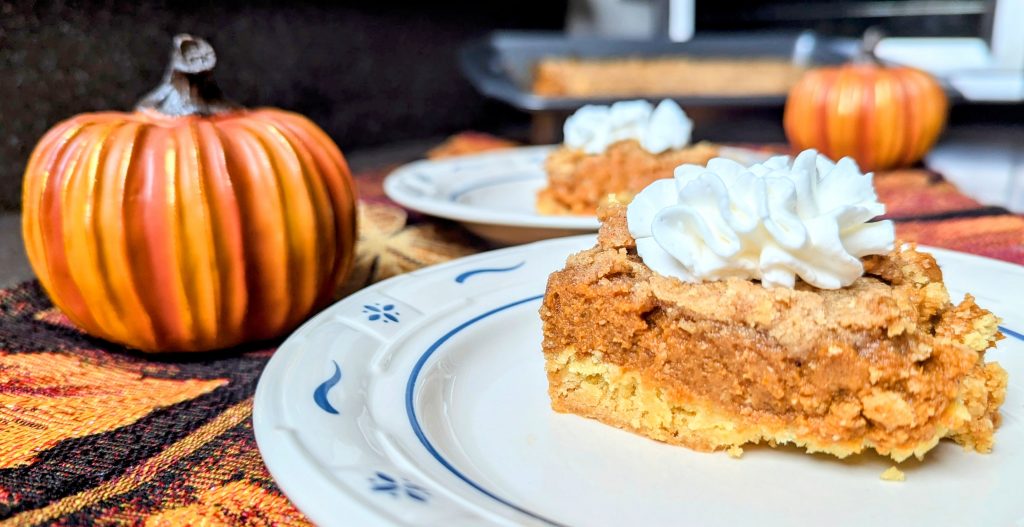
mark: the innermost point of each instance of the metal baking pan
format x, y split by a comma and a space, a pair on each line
501, 65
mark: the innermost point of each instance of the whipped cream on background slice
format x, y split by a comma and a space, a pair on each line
594, 128
772, 221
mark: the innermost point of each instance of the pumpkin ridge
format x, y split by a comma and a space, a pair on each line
883, 128
135, 245
938, 113
323, 215
151, 217
322, 210
899, 136
850, 100
127, 289
283, 121
911, 130
339, 184
193, 225
230, 235
249, 314
331, 215
65, 268
41, 161
264, 240
177, 270
49, 213
104, 303
807, 113
866, 122
280, 188
296, 211
915, 132
61, 270
932, 110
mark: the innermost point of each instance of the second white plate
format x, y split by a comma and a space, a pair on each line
494, 193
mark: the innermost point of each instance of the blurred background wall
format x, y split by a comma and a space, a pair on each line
369, 72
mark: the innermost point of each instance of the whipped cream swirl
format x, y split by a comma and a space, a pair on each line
773, 221
594, 128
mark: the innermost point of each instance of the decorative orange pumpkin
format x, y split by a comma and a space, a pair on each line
884, 117
190, 224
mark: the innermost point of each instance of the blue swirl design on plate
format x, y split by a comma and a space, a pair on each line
462, 277
320, 393
384, 484
383, 313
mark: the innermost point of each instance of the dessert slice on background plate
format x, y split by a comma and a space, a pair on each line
494, 194
518, 195
613, 152
739, 305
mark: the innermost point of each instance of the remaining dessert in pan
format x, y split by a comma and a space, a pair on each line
612, 152
737, 305
679, 76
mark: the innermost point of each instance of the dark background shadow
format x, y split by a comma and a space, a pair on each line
367, 72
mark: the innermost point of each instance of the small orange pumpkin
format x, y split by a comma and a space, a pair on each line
190, 224
884, 117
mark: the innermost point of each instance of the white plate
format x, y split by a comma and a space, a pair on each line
423, 401
494, 193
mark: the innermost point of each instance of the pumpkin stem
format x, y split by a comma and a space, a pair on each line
868, 43
188, 87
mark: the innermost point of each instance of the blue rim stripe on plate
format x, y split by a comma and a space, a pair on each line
410, 388
410, 410
1012, 333
462, 277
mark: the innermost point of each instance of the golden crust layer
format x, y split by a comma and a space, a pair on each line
887, 364
579, 182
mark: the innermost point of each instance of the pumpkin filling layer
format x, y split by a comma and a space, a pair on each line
887, 363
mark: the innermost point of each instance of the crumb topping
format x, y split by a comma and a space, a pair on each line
888, 363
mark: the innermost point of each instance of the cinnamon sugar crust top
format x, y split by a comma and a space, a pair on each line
888, 363
900, 293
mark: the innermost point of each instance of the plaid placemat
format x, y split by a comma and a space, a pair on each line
93, 434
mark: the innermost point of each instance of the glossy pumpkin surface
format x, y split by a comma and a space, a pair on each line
191, 232
883, 117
